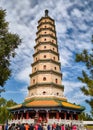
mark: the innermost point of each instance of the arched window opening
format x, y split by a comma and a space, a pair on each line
54, 58
44, 47
53, 41
44, 56
33, 80
45, 39
35, 68
32, 94
44, 92
55, 68
44, 78
44, 67
56, 80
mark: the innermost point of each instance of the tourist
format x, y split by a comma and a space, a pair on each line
26, 126
31, 127
0, 127
74, 127
36, 127
58, 127
22, 127
54, 126
62, 127
6, 126
48, 127
40, 127
44, 126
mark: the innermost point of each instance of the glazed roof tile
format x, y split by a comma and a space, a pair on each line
47, 102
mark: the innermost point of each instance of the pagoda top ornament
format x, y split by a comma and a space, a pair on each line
46, 13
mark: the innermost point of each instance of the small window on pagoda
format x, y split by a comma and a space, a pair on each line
44, 47
57, 94
44, 79
45, 26
53, 49
35, 69
36, 59
32, 94
55, 68
33, 80
44, 67
54, 58
56, 80
44, 56
53, 41
44, 92
45, 32
45, 39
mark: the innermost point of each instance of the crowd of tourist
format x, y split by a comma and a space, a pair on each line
40, 126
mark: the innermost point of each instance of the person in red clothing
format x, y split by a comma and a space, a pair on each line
74, 127
26, 126
36, 127
54, 126
62, 127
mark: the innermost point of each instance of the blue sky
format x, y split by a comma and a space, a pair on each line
74, 26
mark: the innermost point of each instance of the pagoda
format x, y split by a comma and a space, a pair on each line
46, 100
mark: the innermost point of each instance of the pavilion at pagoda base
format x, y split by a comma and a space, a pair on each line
47, 110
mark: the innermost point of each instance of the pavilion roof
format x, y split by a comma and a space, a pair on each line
47, 102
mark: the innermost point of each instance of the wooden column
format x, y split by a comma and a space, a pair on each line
64, 115
27, 115
37, 114
22, 115
57, 115
71, 115
17, 115
76, 116
47, 115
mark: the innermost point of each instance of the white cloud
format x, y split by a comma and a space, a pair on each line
24, 75
73, 93
77, 12
70, 86
24, 91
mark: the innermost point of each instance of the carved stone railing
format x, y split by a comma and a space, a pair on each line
50, 121
64, 121
18, 121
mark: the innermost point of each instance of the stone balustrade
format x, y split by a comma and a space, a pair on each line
64, 121
17, 121
49, 121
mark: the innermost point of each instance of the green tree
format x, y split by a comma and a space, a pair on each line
4, 113
8, 43
86, 57
84, 116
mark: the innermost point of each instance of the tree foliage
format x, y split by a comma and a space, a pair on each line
8, 43
86, 57
84, 116
4, 113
